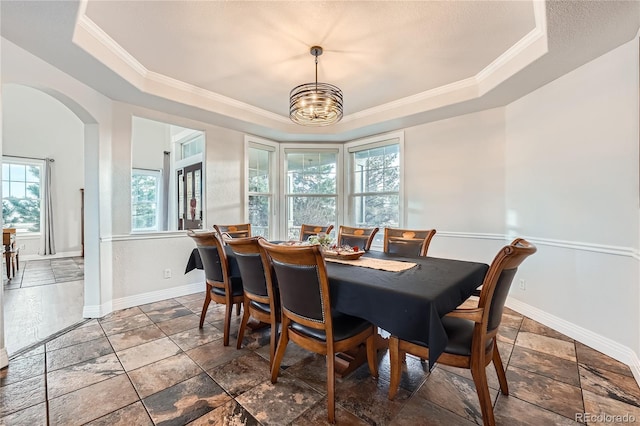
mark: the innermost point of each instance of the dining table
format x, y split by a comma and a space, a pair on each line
407, 303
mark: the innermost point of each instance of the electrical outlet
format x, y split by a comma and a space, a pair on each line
523, 284
167, 273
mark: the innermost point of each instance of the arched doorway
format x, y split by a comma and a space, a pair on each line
59, 127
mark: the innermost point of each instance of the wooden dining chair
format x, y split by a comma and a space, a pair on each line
472, 332
407, 242
308, 230
360, 237
242, 230
307, 317
221, 286
261, 299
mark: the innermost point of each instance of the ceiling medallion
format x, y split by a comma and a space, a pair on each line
315, 104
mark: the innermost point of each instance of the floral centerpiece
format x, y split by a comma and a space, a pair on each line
329, 248
324, 240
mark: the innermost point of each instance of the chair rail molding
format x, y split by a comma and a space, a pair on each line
572, 245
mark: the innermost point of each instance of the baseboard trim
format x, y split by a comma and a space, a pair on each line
28, 257
98, 311
596, 341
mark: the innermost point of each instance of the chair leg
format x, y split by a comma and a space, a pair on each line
331, 386
227, 324
372, 355
243, 324
7, 259
205, 306
479, 374
395, 361
497, 363
282, 347
238, 309
273, 341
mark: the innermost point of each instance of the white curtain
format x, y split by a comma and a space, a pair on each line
47, 243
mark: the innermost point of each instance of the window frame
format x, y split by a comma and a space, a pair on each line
344, 177
387, 139
158, 176
274, 177
23, 161
284, 195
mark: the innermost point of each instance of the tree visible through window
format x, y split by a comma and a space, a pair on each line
376, 185
21, 195
144, 200
312, 189
260, 190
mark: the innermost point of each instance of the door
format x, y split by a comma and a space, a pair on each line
190, 197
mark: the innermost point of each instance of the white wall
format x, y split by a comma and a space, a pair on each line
37, 125
137, 262
151, 138
572, 186
455, 183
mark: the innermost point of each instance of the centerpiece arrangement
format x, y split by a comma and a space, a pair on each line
332, 250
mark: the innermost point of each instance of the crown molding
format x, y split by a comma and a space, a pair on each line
95, 41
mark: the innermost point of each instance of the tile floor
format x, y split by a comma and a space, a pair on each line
46, 271
152, 365
44, 297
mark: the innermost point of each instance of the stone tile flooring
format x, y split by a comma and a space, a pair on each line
42, 272
152, 365
44, 297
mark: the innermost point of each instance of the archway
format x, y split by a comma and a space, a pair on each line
89, 130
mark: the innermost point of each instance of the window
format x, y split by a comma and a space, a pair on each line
193, 146
375, 183
311, 190
21, 182
260, 188
145, 199
355, 184
167, 176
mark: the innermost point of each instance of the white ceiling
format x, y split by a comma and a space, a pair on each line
233, 63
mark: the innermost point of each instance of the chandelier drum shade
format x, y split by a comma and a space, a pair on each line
315, 104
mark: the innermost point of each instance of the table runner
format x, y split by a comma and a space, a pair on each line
370, 262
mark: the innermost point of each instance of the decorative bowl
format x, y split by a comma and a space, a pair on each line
343, 255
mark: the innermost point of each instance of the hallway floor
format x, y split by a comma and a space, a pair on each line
152, 365
43, 298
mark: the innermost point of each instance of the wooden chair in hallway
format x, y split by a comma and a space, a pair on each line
307, 317
407, 242
472, 332
221, 287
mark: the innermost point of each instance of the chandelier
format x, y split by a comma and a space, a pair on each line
315, 104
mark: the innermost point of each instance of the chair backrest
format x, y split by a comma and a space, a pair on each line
308, 230
407, 242
214, 259
360, 237
242, 230
247, 253
302, 282
497, 281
